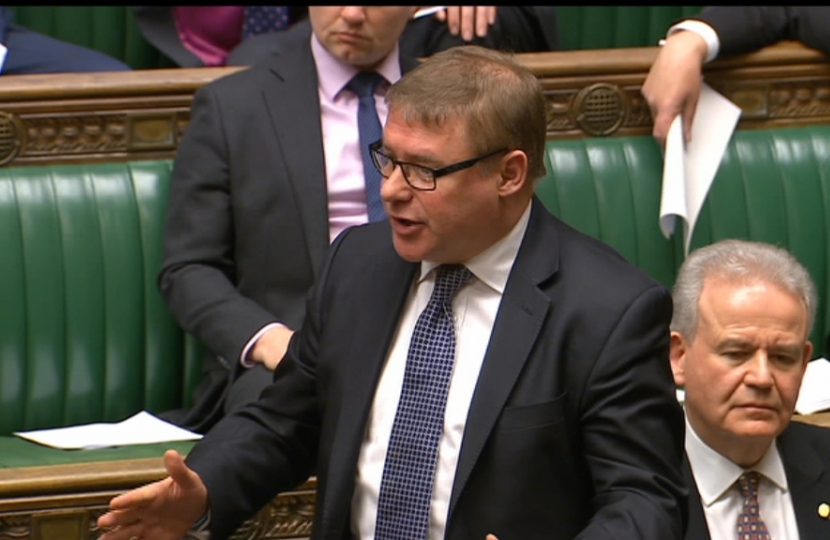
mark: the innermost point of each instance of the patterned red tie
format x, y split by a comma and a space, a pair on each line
750, 524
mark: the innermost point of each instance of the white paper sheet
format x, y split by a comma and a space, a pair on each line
141, 428
815, 388
3, 51
688, 170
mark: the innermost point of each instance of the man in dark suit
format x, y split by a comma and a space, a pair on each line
673, 83
532, 396
268, 173
743, 314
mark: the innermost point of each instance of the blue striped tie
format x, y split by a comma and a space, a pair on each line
364, 84
409, 470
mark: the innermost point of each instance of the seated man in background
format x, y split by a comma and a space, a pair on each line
472, 366
743, 312
27, 51
194, 36
673, 83
273, 166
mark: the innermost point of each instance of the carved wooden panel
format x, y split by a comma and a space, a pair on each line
590, 93
64, 502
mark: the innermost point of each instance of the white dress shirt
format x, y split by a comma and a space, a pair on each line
474, 308
716, 478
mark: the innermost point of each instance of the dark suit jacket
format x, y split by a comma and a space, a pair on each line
744, 29
247, 224
805, 451
573, 432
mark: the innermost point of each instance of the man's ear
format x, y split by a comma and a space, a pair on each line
677, 357
513, 172
808, 355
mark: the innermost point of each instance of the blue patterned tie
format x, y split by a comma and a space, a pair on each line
750, 524
364, 85
409, 470
263, 20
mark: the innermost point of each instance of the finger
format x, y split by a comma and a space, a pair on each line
482, 20
468, 16
119, 518
491, 537
441, 15
491, 14
688, 117
453, 19
179, 472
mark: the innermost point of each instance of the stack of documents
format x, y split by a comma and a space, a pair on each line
815, 389
141, 428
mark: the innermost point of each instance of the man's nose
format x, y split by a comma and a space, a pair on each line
758, 372
394, 187
353, 14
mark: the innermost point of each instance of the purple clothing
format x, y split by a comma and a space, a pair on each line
209, 32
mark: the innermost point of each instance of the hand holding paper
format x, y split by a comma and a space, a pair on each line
688, 170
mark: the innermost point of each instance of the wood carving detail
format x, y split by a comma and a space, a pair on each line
15, 527
75, 134
799, 99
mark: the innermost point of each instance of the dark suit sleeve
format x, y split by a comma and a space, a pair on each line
517, 29
270, 445
633, 428
197, 278
743, 29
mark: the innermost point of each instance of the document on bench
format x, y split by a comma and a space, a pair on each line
141, 428
689, 169
814, 395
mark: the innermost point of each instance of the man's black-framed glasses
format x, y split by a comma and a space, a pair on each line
417, 176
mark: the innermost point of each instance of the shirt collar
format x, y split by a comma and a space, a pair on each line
492, 266
334, 74
715, 475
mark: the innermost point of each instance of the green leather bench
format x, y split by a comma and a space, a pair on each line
85, 336
772, 186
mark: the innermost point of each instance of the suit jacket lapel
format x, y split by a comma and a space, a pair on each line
697, 529
808, 483
390, 279
521, 314
293, 104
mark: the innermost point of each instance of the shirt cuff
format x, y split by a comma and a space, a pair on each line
703, 30
201, 529
243, 359
3, 52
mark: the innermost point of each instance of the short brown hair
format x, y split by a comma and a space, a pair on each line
500, 101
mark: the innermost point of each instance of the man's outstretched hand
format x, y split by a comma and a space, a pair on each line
164, 510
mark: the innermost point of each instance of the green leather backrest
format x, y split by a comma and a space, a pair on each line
772, 186
84, 334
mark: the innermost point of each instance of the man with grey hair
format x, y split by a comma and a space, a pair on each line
739, 346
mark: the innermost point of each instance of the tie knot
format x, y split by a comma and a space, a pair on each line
748, 484
448, 279
365, 83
